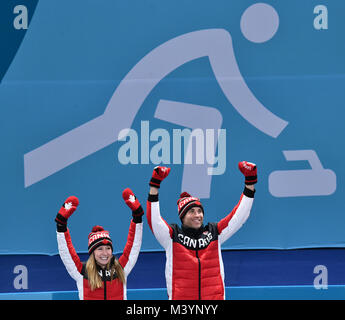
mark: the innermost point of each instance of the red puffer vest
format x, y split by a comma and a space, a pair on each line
112, 289
194, 267
196, 264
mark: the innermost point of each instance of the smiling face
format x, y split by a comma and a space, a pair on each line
193, 218
103, 254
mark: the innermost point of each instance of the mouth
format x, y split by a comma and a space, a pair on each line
104, 258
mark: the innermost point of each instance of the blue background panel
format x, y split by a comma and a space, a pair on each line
80, 72
249, 274
257, 268
110, 61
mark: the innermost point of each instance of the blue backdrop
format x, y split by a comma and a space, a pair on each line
262, 82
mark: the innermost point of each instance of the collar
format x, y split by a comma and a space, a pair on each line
192, 232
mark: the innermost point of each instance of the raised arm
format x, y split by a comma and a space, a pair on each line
239, 215
159, 227
67, 252
131, 251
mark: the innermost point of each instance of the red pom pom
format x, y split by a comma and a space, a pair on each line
97, 228
184, 195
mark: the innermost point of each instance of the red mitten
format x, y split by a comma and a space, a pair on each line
250, 172
132, 202
68, 207
158, 175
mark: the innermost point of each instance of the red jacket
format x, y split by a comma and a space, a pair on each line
194, 268
111, 290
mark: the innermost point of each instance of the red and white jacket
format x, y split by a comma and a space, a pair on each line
194, 267
111, 290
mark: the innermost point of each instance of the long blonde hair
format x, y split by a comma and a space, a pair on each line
95, 280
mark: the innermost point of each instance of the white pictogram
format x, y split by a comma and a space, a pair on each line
316, 181
207, 118
216, 44
252, 25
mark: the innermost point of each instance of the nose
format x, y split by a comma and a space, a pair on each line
198, 213
104, 250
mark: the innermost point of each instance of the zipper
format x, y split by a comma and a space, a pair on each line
105, 285
197, 256
105, 289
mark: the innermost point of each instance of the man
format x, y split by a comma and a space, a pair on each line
194, 268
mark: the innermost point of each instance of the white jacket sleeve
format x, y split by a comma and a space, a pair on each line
159, 227
237, 217
132, 248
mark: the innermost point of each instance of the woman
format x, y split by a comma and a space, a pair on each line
103, 276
